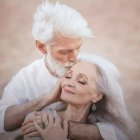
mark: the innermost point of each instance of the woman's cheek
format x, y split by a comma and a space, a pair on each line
83, 90
80, 89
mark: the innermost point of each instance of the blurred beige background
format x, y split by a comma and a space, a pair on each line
116, 24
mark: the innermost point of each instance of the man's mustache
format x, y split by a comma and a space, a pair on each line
69, 65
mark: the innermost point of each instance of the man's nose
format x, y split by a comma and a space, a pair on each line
73, 56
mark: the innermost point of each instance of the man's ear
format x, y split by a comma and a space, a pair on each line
97, 97
41, 47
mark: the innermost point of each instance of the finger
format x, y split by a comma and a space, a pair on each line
30, 130
50, 118
27, 121
38, 113
54, 113
37, 117
57, 120
39, 121
33, 134
29, 125
24, 127
65, 126
30, 120
45, 117
39, 129
58, 123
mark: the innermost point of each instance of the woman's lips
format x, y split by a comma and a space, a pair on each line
68, 91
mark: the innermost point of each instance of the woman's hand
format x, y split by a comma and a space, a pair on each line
28, 129
54, 128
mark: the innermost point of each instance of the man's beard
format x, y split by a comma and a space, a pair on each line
56, 67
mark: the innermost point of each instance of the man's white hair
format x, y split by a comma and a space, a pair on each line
52, 18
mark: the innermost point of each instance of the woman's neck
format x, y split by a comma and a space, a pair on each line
76, 113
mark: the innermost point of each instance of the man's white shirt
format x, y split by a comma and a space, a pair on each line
30, 83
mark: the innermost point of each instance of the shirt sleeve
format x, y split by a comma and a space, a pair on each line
13, 95
107, 131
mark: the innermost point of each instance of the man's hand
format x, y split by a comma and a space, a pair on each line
81, 131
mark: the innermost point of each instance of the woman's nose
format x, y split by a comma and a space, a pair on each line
71, 85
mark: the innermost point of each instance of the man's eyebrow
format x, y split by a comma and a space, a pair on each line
68, 50
64, 50
83, 75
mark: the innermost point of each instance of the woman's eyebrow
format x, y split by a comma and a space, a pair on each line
83, 75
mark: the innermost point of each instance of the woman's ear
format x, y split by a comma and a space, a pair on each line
97, 97
41, 47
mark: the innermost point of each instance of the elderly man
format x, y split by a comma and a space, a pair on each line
58, 31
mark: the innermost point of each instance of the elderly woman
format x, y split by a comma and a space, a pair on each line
92, 94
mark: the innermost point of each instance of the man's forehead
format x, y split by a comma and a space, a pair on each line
66, 40
67, 46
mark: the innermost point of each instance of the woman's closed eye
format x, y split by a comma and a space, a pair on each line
82, 81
